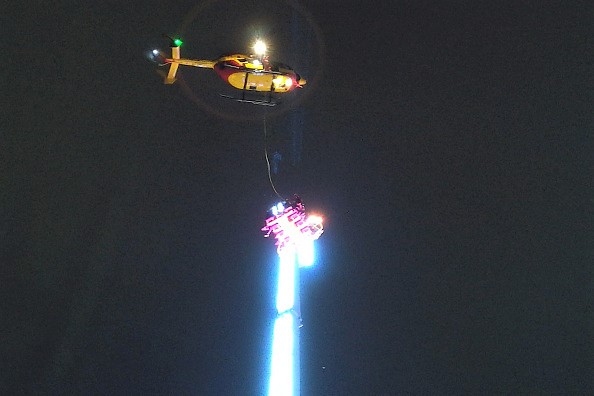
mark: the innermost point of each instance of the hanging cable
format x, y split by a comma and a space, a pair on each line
268, 161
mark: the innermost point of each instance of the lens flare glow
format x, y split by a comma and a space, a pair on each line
260, 47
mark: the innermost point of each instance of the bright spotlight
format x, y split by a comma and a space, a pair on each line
155, 52
314, 220
260, 47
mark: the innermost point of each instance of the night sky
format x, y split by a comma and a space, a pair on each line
447, 144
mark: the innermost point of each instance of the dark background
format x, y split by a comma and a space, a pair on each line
448, 145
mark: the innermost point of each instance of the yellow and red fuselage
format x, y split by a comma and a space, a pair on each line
243, 72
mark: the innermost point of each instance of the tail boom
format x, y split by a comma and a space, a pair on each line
175, 61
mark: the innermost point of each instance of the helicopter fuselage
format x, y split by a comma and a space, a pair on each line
253, 74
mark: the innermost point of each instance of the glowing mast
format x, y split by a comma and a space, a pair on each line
295, 233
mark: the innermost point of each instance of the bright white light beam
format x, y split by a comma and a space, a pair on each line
285, 295
305, 253
260, 47
295, 234
281, 376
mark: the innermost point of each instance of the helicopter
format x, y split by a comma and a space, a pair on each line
248, 73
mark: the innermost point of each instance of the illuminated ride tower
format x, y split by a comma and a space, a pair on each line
295, 233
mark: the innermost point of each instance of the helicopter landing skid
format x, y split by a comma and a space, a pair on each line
252, 101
